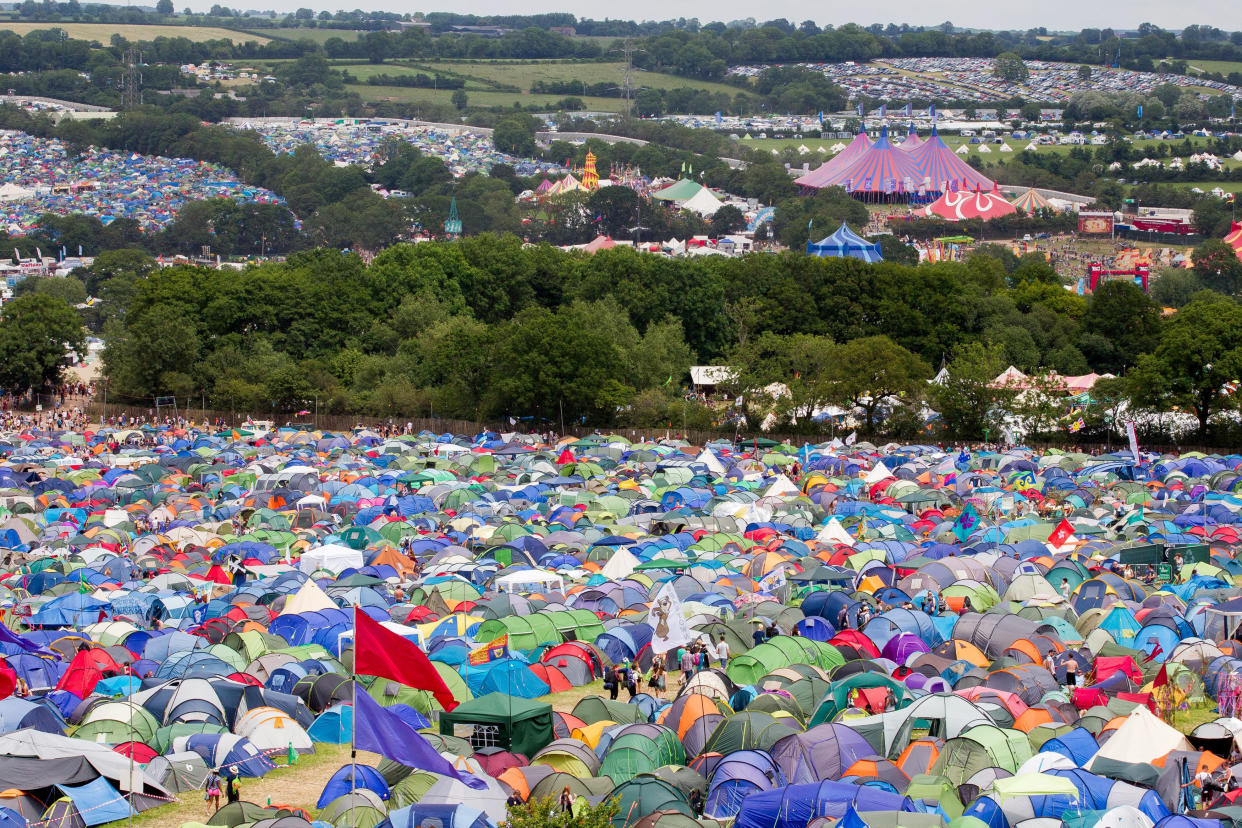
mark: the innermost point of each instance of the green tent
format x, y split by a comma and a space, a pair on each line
749, 731
523, 726
645, 795
641, 749
592, 709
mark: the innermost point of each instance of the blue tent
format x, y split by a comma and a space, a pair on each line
333, 726
793, 806
16, 714
505, 675
97, 801
349, 778
72, 610
12, 819
845, 243
448, 816
228, 752
1078, 744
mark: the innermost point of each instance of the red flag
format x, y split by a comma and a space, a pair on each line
381, 652
1061, 533
1162, 678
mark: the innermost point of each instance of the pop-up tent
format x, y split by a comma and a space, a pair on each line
520, 725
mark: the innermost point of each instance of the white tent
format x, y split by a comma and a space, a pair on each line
834, 532
708, 458
780, 487
1141, 738
12, 192
620, 565
703, 203
448, 791
530, 580
333, 557
878, 473
308, 598
964, 149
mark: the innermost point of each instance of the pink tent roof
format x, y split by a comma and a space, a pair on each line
881, 169
599, 243
912, 142
1084, 382
825, 171
938, 165
961, 206
1011, 377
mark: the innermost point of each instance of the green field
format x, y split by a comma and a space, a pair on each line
1224, 67
403, 94
1207, 186
525, 73
481, 78
103, 32
314, 35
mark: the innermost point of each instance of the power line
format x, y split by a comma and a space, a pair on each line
627, 84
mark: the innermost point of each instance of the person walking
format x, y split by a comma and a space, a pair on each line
232, 789
212, 796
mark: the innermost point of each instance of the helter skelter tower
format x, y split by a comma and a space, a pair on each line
590, 178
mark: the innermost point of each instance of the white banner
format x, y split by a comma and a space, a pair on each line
1133, 440
771, 582
667, 621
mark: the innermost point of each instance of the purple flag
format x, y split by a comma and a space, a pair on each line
382, 732
7, 636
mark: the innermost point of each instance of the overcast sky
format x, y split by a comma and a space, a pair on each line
1056, 15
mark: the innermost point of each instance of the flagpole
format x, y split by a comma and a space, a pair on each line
353, 720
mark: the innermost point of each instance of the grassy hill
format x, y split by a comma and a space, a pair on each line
103, 32
485, 81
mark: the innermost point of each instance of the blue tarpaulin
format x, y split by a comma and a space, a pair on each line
97, 801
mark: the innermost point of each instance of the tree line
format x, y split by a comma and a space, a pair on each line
489, 328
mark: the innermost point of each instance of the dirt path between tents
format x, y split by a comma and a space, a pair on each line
297, 786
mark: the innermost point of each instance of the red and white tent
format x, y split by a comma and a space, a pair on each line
963, 206
1234, 239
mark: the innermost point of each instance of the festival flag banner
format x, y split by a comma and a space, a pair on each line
497, 648
966, 523
385, 733
667, 621
381, 652
1061, 534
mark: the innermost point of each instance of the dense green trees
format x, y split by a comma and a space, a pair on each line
35, 332
1199, 354
489, 328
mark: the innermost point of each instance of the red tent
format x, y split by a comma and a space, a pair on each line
1234, 239
964, 206
87, 669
